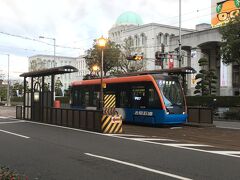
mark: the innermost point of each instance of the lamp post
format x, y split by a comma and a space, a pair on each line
8, 87
101, 43
180, 34
54, 47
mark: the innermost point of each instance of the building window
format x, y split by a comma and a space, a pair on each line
144, 39
159, 39
165, 40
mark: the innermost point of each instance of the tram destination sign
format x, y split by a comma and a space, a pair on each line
143, 113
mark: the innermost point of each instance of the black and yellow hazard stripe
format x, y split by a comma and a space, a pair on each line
109, 104
110, 126
110, 101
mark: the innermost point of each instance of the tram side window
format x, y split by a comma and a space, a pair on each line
84, 97
139, 97
95, 98
123, 99
153, 98
76, 97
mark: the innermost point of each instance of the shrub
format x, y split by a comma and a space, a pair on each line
221, 101
6, 173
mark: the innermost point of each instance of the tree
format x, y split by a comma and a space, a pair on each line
230, 50
207, 79
3, 93
111, 56
58, 87
124, 65
17, 89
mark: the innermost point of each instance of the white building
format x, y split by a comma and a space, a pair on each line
82, 67
39, 62
204, 41
148, 38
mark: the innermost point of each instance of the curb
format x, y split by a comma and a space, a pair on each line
199, 125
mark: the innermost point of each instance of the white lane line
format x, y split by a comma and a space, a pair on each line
139, 167
127, 135
152, 139
228, 152
187, 145
12, 122
4, 117
180, 147
15, 134
225, 127
150, 142
7, 117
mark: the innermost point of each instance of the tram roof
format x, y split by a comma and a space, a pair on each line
173, 71
50, 71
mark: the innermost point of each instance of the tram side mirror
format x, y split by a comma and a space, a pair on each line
36, 97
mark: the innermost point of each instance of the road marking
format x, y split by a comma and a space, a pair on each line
139, 167
15, 134
127, 135
187, 145
119, 137
12, 122
3, 117
181, 147
7, 117
227, 152
151, 139
225, 127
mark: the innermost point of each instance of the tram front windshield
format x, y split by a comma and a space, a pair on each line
171, 93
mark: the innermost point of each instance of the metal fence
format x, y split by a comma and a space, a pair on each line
80, 119
200, 115
19, 112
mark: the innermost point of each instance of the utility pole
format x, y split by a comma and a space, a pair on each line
8, 87
180, 34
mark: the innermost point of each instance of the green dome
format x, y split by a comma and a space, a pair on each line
129, 18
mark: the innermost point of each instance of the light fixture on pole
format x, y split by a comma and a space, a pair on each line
101, 42
54, 47
8, 89
95, 68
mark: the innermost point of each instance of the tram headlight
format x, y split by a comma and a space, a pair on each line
167, 111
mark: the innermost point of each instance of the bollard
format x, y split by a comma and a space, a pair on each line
57, 104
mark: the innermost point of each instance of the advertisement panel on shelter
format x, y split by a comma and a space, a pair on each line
223, 11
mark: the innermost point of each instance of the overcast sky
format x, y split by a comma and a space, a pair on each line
75, 23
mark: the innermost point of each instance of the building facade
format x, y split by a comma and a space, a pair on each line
203, 41
39, 62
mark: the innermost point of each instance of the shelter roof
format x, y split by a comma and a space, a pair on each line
50, 71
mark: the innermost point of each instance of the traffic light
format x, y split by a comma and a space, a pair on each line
160, 56
135, 57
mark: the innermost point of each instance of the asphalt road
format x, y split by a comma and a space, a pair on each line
48, 152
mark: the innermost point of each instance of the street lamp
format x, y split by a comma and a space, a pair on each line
54, 46
180, 34
95, 68
101, 43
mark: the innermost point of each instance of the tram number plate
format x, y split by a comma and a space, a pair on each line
143, 113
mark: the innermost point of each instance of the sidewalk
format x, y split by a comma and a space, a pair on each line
227, 124
6, 111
